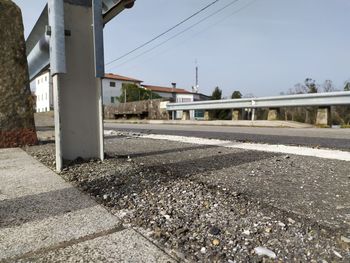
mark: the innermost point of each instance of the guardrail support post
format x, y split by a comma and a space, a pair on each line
236, 115
78, 100
186, 115
207, 115
273, 114
253, 114
323, 117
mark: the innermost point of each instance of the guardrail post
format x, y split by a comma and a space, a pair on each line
323, 117
186, 115
273, 114
77, 93
253, 114
207, 115
236, 114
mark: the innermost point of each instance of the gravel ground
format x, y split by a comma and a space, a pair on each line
214, 204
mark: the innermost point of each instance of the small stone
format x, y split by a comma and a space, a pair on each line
268, 230
105, 196
345, 239
246, 232
203, 250
337, 254
215, 231
281, 224
263, 251
291, 221
216, 242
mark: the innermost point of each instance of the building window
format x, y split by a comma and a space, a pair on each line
45, 96
112, 84
45, 78
112, 99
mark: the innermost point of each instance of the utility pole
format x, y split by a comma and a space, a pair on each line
196, 86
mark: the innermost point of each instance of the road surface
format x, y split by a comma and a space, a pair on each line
313, 137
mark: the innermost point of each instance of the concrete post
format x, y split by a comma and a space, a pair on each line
186, 115
207, 115
253, 114
273, 114
78, 96
236, 115
323, 117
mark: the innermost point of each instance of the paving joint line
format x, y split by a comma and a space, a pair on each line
65, 244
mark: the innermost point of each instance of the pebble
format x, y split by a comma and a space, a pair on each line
215, 231
281, 224
203, 250
246, 232
268, 230
291, 221
263, 251
337, 254
216, 242
345, 239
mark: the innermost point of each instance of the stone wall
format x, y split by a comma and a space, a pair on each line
17, 126
146, 109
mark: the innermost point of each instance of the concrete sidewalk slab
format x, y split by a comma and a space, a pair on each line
41, 213
123, 246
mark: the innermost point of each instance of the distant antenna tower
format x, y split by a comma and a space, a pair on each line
196, 86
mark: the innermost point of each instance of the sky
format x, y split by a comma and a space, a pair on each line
259, 47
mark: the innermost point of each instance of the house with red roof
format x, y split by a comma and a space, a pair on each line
112, 87
174, 94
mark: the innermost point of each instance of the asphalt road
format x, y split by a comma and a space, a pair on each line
313, 137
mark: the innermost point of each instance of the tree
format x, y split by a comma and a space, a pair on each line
298, 89
311, 85
328, 86
219, 114
131, 92
217, 94
347, 85
236, 95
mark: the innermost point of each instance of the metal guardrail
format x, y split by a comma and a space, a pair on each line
315, 99
38, 54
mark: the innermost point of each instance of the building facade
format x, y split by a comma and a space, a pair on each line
112, 87
43, 93
175, 94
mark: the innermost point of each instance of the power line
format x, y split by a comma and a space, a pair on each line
179, 33
165, 32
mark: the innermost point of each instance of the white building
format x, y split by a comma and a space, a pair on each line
112, 87
43, 93
111, 84
179, 95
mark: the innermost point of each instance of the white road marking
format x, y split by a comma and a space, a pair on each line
276, 148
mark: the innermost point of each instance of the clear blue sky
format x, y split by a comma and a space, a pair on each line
265, 48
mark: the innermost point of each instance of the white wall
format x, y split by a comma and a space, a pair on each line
184, 98
112, 92
43, 92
